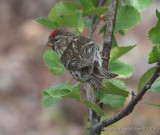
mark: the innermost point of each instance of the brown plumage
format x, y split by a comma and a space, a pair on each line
80, 56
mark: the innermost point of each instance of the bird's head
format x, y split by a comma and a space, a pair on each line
58, 40
54, 38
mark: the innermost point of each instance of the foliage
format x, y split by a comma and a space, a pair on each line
52, 61
123, 70
52, 95
139, 4
47, 22
95, 107
117, 52
111, 87
127, 17
154, 55
113, 93
154, 33
145, 77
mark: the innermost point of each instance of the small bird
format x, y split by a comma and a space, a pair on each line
80, 56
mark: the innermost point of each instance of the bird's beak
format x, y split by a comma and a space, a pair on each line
49, 44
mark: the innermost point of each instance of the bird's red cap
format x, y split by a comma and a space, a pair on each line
54, 33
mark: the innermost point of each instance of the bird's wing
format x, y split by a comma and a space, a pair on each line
89, 51
85, 57
76, 63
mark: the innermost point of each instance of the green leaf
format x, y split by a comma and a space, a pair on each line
95, 107
113, 101
114, 42
127, 17
60, 86
145, 77
87, 23
45, 93
119, 83
151, 104
155, 86
76, 87
77, 32
74, 95
86, 4
66, 13
154, 54
52, 61
154, 33
94, 2
49, 101
81, 26
103, 29
57, 71
58, 92
139, 4
98, 94
123, 70
52, 95
117, 52
64, 85
47, 22
122, 32
94, 11
114, 87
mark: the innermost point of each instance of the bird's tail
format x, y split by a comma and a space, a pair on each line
98, 75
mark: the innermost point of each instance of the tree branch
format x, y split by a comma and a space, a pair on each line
135, 99
97, 127
94, 118
107, 45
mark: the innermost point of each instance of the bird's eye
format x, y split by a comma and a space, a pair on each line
56, 39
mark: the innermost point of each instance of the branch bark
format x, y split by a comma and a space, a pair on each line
93, 117
107, 45
135, 99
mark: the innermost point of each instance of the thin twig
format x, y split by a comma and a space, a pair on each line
93, 18
107, 45
129, 108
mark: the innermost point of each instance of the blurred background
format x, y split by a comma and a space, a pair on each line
23, 76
